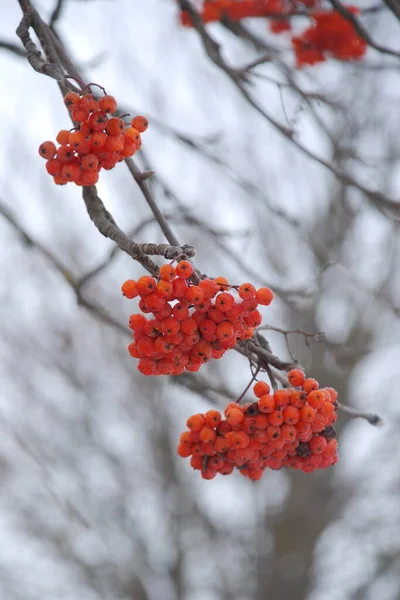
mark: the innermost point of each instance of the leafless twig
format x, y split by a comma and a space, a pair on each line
372, 418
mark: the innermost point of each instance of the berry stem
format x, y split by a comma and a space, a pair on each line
248, 386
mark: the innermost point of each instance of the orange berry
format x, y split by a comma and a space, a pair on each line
266, 403
155, 302
264, 296
291, 415
260, 388
240, 439
276, 418
140, 123
307, 413
65, 153
167, 272
71, 99
262, 421
318, 444
296, 377
254, 320
146, 346
188, 326
90, 162
224, 301
195, 422
183, 450
282, 397
63, 137
115, 143
70, 171
133, 351
79, 114
216, 315
221, 444
89, 102
170, 326
310, 385
273, 432
297, 398
136, 322
209, 287
224, 330
207, 434
327, 410
194, 294
98, 139
47, 150
184, 269
59, 180
164, 289
247, 291
196, 462
180, 286
316, 398
89, 178
132, 135
54, 166
222, 283
98, 120
208, 328
234, 416
146, 366
115, 126
332, 393
108, 104
146, 285
288, 433
212, 418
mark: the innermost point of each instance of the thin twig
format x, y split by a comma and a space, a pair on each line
13, 48
161, 220
372, 418
248, 386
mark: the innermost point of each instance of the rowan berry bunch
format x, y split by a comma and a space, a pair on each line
190, 323
99, 140
290, 427
329, 35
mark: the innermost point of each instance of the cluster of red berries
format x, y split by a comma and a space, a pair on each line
330, 35
192, 322
291, 427
97, 142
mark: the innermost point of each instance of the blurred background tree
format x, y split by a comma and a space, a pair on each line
279, 176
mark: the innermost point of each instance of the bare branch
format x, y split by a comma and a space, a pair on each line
372, 418
33, 54
13, 48
141, 181
106, 225
55, 15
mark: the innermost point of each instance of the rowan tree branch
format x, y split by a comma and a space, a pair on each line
390, 209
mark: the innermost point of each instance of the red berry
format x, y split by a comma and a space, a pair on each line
47, 150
